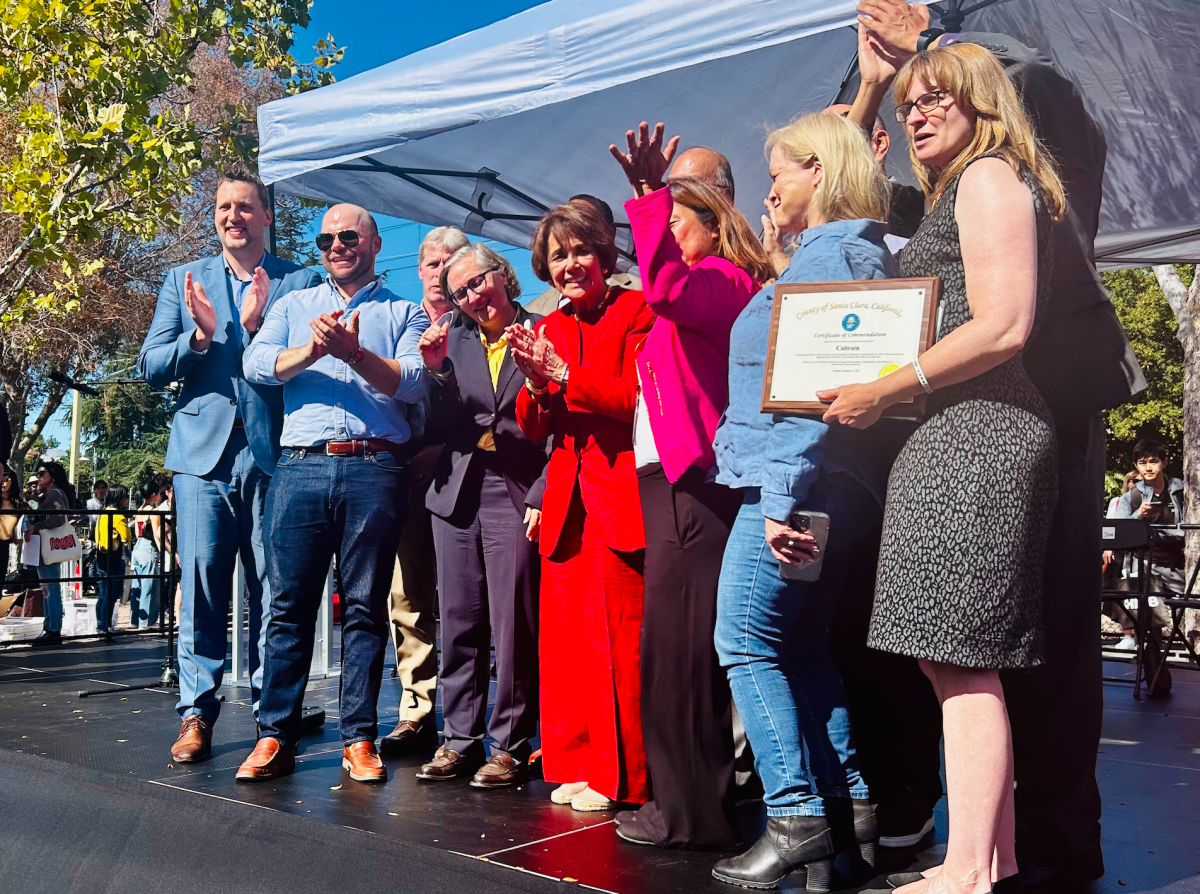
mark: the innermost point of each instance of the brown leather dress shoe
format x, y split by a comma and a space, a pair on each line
362, 760
449, 764
270, 759
409, 735
502, 771
195, 740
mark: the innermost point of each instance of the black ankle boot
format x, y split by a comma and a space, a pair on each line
1011, 885
853, 826
788, 843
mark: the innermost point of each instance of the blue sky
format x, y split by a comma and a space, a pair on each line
380, 32
374, 32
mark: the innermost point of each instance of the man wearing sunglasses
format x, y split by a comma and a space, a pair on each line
224, 441
346, 354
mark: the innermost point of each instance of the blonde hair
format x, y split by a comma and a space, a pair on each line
736, 242
971, 75
853, 186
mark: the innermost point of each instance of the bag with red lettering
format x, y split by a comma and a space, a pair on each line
61, 545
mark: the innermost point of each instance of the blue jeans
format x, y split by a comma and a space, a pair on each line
143, 593
219, 517
773, 640
109, 591
320, 505
52, 606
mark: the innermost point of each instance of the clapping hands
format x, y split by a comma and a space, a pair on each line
254, 302
535, 356
646, 163
332, 336
201, 311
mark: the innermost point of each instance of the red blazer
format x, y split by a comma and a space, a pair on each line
592, 420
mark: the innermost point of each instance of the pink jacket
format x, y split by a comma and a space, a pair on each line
684, 362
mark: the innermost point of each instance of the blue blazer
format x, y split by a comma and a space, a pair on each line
213, 383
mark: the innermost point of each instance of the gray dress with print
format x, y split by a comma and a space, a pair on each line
971, 496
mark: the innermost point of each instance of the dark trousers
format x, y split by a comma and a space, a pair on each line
320, 505
895, 715
488, 575
1056, 709
109, 592
686, 704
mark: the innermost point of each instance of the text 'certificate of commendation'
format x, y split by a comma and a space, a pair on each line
825, 335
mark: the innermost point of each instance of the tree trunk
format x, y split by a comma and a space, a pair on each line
29, 435
1185, 303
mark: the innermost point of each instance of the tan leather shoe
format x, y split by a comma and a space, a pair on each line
270, 759
502, 771
449, 764
362, 760
195, 740
409, 735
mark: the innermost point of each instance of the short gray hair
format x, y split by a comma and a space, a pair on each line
485, 257
449, 238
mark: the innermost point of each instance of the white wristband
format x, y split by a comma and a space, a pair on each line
921, 376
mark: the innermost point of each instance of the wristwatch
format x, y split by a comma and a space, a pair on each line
356, 358
928, 36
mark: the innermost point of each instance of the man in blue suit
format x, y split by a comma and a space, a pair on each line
224, 441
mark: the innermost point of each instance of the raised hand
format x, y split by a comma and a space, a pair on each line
877, 64
896, 24
201, 311
646, 163
254, 302
434, 343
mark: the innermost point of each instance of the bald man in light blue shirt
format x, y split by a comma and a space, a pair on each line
346, 355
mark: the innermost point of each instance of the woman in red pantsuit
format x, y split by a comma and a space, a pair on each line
582, 386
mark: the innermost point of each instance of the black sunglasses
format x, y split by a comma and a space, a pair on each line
925, 104
474, 284
348, 238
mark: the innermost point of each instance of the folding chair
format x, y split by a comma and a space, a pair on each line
1136, 537
1178, 605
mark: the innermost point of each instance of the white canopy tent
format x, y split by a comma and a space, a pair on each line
487, 130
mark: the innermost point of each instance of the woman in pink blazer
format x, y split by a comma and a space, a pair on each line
700, 264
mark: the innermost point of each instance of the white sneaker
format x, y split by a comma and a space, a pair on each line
1126, 644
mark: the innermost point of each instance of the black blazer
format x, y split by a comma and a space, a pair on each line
463, 405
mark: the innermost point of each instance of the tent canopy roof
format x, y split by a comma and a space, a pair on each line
488, 129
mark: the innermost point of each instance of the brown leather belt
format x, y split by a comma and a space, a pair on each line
357, 447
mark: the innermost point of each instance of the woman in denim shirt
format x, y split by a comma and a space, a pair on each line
771, 633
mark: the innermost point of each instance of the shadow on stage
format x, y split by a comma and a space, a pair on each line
92, 802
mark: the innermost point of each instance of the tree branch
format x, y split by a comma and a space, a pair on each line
1182, 300
49, 408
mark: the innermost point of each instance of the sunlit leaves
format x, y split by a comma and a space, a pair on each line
104, 141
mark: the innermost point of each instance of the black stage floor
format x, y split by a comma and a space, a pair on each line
89, 801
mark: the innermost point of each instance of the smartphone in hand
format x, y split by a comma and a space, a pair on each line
816, 524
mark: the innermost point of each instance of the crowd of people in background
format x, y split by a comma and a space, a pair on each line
587, 484
115, 540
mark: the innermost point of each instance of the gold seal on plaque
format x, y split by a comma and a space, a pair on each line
889, 369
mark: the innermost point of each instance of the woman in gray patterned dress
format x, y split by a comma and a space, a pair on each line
971, 495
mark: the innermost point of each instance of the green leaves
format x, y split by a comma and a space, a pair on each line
106, 138
1150, 325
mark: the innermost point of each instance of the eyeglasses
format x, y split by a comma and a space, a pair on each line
348, 238
474, 284
925, 104
43, 472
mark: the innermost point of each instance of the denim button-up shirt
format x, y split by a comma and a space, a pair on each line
329, 401
781, 454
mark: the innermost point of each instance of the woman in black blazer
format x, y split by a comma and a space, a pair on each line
484, 532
